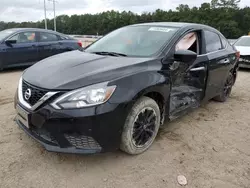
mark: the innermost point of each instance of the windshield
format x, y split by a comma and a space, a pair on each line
5, 33
134, 40
244, 41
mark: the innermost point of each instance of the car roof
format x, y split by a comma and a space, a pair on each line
33, 29
174, 24
180, 25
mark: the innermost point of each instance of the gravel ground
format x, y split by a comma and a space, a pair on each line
210, 146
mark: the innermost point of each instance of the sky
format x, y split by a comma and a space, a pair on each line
33, 10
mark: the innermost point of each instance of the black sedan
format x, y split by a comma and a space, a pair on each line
26, 46
122, 88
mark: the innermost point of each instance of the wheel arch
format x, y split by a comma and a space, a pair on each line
160, 94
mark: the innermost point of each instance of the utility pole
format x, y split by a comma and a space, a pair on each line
54, 7
45, 20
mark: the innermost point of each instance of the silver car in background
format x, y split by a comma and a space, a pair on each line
243, 46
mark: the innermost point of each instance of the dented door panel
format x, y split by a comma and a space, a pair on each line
188, 86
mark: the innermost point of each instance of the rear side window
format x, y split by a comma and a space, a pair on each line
213, 42
48, 37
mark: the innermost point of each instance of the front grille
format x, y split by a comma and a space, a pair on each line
82, 141
245, 58
36, 93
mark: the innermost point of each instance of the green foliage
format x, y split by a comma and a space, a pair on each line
225, 15
225, 3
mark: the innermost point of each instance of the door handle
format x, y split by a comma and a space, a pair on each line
226, 61
197, 69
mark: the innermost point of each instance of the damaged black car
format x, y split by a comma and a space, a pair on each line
122, 88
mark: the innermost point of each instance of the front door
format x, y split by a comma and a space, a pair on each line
21, 49
188, 79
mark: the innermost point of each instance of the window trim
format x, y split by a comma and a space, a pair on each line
211, 52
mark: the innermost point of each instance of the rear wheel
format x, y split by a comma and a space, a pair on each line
227, 89
141, 126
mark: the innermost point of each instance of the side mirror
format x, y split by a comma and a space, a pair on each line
185, 56
9, 42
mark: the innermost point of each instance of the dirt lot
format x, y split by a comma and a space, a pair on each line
210, 146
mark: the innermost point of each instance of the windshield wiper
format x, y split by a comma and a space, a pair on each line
110, 53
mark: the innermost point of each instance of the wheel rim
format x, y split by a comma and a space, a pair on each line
144, 127
228, 86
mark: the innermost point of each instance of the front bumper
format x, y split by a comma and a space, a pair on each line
82, 131
244, 62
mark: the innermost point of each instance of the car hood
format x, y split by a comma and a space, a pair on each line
244, 50
72, 70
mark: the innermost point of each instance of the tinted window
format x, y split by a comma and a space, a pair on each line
134, 40
25, 37
213, 42
244, 41
48, 37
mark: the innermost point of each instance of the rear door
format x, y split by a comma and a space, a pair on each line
221, 60
49, 45
21, 49
66, 44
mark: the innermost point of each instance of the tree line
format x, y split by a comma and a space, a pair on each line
225, 15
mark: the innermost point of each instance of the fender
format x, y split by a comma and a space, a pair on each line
141, 84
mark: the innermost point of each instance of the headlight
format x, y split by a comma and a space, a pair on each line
85, 97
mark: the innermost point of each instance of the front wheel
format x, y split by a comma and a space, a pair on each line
227, 89
141, 126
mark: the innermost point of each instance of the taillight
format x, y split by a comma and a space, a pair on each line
238, 54
79, 43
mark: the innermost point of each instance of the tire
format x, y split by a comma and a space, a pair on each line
136, 123
228, 85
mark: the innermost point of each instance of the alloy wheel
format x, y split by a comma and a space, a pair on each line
144, 127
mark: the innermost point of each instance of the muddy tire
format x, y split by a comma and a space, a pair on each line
141, 126
227, 89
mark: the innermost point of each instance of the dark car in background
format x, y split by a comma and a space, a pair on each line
26, 46
122, 88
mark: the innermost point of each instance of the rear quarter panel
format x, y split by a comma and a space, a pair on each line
71, 45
